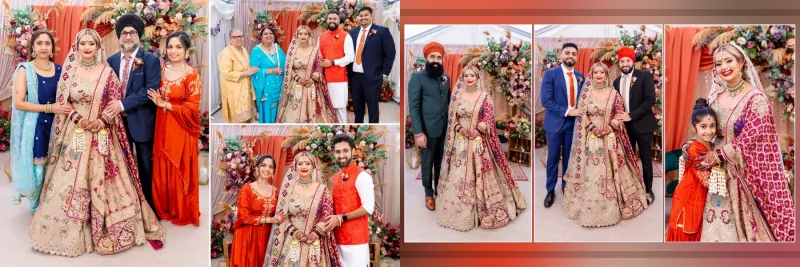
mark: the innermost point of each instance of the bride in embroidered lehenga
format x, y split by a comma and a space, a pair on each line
305, 97
91, 199
476, 188
604, 181
753, 202
306, 203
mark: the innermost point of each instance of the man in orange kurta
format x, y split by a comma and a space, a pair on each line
353, 200
336, 47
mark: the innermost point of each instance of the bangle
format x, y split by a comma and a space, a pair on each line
719, 157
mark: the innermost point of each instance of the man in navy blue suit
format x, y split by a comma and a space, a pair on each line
138, 71
561, 87
375, 53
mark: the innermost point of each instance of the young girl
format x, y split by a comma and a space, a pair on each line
685, 219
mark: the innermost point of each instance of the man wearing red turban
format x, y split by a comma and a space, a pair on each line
428, 101
638, 92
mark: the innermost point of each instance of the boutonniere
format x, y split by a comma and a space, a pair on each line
633, 81
580, 80
372, 31
444, 79
336, 37
138, 62
344, 177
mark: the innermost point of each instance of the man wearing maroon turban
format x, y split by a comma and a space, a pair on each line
638, 93
428, 101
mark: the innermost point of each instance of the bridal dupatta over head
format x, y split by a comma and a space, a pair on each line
762, 203
604, 180
322, 207
476, 186
92, 186
300, 104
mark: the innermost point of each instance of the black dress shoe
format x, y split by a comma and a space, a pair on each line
650, 197
548, 200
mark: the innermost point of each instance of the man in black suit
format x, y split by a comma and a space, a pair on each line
375, 52
638, 92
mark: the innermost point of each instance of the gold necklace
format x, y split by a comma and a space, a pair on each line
598, 88
89, 65
49, 66
304, 184
172, 68
471, 89
733, 91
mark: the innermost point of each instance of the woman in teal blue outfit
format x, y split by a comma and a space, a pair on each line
268, 81
33, 106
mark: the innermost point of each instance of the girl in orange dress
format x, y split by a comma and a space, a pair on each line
686, 217
175, 167
256, 205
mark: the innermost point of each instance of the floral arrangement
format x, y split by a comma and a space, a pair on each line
548, 58
387, 90
518, 127
388, 233
417, 65
648, 50
770, 48
317, 141
5, 129
263, 19
20, 23
541, 135
318, 13
236, 161
204, 127
218, 230
409, 133
161, 17
509, 62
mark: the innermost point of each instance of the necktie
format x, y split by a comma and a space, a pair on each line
625, 87
125, 73
571, 89
361, 45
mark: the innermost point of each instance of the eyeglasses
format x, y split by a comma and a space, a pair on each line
128, 34
237, 37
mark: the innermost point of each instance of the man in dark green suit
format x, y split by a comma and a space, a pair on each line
428, 100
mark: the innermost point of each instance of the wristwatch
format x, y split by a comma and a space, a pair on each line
344, 217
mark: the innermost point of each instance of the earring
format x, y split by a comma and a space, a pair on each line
33, 56
51, 55
187, 56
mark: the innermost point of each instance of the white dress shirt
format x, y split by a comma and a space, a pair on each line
567, 81
349, 53
360, 67
627, 97
122, 69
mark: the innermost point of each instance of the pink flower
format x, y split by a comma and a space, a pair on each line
164, 32
790, 42
3, 147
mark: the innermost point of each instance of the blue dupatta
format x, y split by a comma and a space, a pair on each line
23, 130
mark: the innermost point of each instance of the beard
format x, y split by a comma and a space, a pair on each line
344, 163
434, 69
130, 46
333, 26
569, 63
622, 69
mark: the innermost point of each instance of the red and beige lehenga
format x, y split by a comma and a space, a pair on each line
175, 152
604, 181
299, 103
92, 198
251, 237
476, 187
758, 206
686, 216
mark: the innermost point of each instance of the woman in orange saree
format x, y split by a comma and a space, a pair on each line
256, 206
175, 149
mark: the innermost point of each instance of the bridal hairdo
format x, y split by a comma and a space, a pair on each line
99, 53
605, 68
731, 49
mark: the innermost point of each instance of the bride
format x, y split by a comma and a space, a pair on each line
604, 183
91, 199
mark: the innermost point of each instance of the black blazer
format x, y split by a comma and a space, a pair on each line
378, 55
140, 109
642, 98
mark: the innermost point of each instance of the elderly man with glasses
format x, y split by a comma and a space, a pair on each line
237, 92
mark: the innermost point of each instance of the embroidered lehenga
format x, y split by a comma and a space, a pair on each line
300, 103
604, 181
758, 206
476, 186
306, 214
92, 199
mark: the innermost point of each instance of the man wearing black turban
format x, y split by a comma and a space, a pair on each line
138, 71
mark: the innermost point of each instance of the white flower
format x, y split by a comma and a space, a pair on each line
308, 148
764, 43
151, 3
178, 16
19, 30
314, 146
139, 6
484, 62
113, 21
189, 19
741, 41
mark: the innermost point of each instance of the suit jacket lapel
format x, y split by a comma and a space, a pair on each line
139, 54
